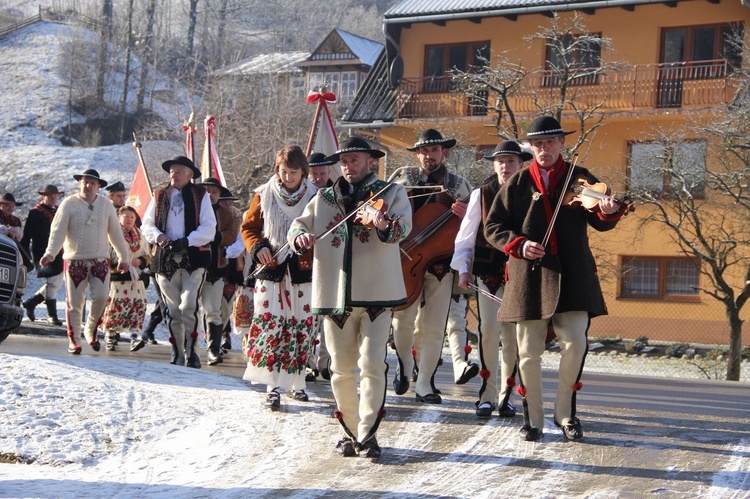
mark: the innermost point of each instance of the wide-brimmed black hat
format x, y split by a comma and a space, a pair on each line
431, 137
545, 127
9, 198
223, 191
509, 147
355, 144
50, 189
116, 187
319, 159
93, 174
181, 160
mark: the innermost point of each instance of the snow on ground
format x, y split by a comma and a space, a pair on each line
88, 426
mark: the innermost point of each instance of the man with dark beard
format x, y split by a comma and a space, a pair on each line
432, 151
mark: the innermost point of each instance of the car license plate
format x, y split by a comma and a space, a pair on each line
5, 275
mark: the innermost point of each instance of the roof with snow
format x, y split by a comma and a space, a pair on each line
463, 9
274, 63
341, 47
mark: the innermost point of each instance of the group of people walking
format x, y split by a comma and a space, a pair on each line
316, 288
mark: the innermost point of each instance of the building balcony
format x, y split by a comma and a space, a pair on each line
632, 88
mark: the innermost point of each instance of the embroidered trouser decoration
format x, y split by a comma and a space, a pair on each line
361, 343
82, 276
437, 296
181, 296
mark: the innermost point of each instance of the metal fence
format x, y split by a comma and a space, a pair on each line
640, 345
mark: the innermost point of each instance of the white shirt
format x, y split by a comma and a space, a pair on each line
467, 235
202, 235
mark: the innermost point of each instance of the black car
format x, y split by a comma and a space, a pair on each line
12, 287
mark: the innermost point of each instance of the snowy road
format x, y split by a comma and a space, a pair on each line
107, 426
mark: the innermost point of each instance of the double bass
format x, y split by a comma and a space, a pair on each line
432, 238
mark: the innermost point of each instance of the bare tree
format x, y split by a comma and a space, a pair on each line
106, 37
574, 60
146, 56
705, 206
192, 22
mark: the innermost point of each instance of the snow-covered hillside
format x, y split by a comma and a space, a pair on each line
34, 112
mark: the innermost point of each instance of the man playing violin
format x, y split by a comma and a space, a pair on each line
437, 286
352, 255
555, 283
474, 255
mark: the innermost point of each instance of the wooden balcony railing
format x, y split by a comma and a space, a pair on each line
640, 87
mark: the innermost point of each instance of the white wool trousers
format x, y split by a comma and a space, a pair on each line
436, 295
360, 343
571, 329
181, 295
491, 331
51, 286
456, 331
212, 295
82, 276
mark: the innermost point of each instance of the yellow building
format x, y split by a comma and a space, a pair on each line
676, 65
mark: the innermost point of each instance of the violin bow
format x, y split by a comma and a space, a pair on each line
329, 230
485, 293
551, 225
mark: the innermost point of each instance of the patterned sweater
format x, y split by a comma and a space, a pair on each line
85, 231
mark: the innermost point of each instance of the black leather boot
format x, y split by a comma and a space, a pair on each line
31, 304
52, 313
215, 332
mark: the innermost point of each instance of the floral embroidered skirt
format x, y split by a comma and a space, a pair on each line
281, 335
126, 307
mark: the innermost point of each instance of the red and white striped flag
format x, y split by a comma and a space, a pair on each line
210, 164
323, 134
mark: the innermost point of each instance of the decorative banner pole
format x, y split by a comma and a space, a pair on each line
210, 164
189, 128
140, 190
323, 134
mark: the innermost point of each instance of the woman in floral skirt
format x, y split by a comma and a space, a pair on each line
126, 305
282, 333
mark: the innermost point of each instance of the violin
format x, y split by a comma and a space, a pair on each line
582, 193
367, 212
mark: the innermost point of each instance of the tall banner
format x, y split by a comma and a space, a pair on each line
323, 134
140, 190
189, 128
210, 164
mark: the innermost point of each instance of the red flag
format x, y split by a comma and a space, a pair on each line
210, 164
323, 134
140, 190
189, 128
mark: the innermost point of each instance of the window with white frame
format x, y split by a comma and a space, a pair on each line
315, 80
657, 167
348, 86
332, 80
660, 278
297, 87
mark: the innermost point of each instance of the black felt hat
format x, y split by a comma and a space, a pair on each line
181, 160
9, 198
319, 159
50, 189
431, 137
509, 147
92, 174
355, 144
116, 187
545, 127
